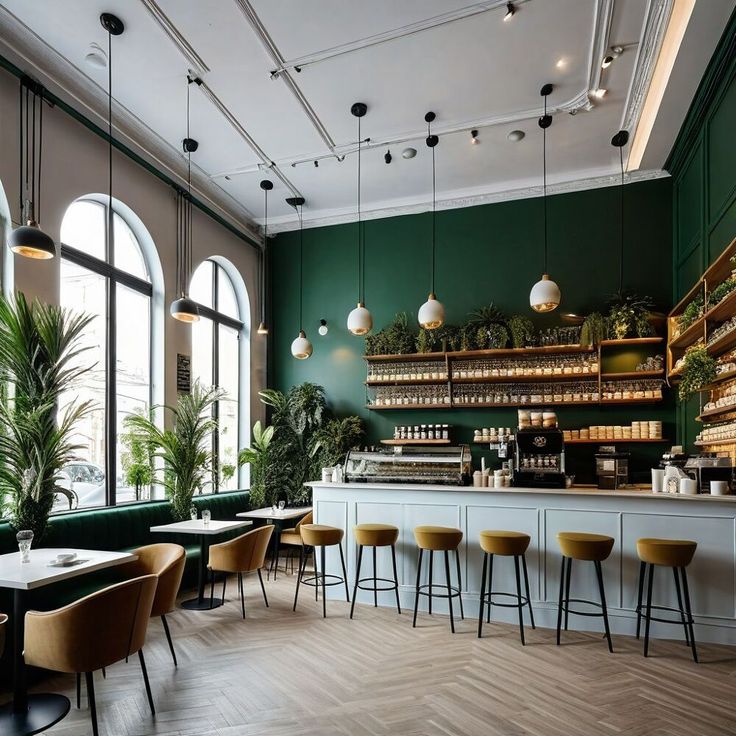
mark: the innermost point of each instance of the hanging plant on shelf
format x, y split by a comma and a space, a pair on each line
699, 369
721, 292
394, 339
692, 312
427, 341
522, 331
593, 330
629, 316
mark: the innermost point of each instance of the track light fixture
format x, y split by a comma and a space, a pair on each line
613, 53
323, 329
474, 137
510, 10
387, 157
267, 186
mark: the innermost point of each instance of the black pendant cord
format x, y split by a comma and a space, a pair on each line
360, 229
262, 285
33, 156
621, 204
110, 235
434, 209
301, 269
544, 183
22, 155
178, 242
37, 198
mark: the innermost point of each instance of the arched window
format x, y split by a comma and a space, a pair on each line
117, 278
216, 359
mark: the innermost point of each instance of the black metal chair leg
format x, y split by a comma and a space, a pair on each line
568, 578
145, 680
449, 590
459, 584
416, 595
79, 690
559, 602
241, 590
686, 591
263, 588
640, 599
680, 606
431, 573
104, 672
482, 594
490, 588
375, 579
302, 563
345, 571
357, 577
526, 587
212, 588
649, 610
396, 578
224, 584
599, 574
518, 599
89, 679
323, 565
169, 639
276, 557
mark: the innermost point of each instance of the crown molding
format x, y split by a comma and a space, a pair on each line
462, 198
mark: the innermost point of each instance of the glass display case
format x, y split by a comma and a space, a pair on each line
432, 465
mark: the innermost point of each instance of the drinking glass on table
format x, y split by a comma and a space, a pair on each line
24, 539
193, 513
206, 516
282, 505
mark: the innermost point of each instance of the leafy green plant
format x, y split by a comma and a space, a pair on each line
628, 316
721, 291
187, 460
262, 492
394, 339
593, 330
522, 331
693, 311
427, 341
332, 441
449, 337
41, 355
137, 459
699, 369
489, 324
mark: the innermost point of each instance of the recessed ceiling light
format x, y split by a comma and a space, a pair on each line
474, 137
409, 153
516, 135
510, 10
599, 93
561, 63
96, 57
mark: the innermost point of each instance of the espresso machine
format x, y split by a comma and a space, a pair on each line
539, 460
707, 467
612, 468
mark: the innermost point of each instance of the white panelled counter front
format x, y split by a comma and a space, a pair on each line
624, 515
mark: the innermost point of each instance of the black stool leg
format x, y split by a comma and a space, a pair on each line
145, 680
396, 577
567, 589
299, 574
490, 588
459, 584
648, 616
419, 578
528, 595
686, 591
323, 565
518, 599
241, 590
92, 704
357, 577
168, 639
599, 574
640, 599
680, 606
482, 593
449, 590
263, 588
431, 573
345, 572
375, 579
559, 603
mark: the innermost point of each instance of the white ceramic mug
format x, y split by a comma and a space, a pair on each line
657, 480
719, 488
688, 486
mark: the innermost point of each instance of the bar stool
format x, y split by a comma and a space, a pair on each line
375, 535
677, 554
504, 544
589, 548
320, 536
438, 539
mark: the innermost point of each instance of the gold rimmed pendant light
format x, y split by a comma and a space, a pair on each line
267, 186
360, 320
432, 312
545, 294
619, 141
29, 240
301, 348
183, 308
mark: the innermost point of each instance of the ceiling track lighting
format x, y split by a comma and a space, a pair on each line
29, 240
267, 186
301, 348
387, 157
360, 320
613, 53
619, 141
545, 294
183, 308
510, 10
432, 313
474, 137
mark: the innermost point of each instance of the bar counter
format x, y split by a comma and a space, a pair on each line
625, 515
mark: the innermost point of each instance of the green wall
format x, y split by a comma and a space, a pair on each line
488, 253
703, 168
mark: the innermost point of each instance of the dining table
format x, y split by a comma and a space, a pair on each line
33, 713
205, 530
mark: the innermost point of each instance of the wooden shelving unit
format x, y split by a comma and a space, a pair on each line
720, 411
631, 342
721, 379
401, 443
618, 441
409, 382
531, 378
631, 375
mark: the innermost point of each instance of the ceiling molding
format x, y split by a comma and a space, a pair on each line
459, 199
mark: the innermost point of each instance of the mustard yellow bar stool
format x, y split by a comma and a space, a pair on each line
504, 544
588, 548
438, 539
319, 537
374, 536
677, 554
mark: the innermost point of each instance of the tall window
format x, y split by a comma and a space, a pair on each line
216, 361
110, 278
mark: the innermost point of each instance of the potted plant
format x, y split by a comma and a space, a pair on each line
41, 356
699, 369
522, 331
137, 460
394, 339
594, 329
262, 493
629, 315
692, 312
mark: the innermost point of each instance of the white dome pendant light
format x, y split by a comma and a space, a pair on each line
545, 295
267, 186
619, 141
360, 321
432, 313
301, 348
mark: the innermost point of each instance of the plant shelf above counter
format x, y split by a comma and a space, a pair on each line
401, 443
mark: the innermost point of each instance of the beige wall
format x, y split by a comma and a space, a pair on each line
75, 164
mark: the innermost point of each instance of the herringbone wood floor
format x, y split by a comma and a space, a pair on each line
283, 674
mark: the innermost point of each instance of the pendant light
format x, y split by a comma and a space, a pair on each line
301, 348
29, 240
360, 321
183, 308
545, 294
619, 141
267, 186
432, 313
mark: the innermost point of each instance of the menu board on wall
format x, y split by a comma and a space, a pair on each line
183, 373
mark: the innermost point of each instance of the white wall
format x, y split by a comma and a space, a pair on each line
75, 164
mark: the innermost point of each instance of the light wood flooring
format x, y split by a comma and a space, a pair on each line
280, 673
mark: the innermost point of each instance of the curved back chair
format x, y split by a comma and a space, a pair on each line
166, 562
291, 538
93, 632
244, 554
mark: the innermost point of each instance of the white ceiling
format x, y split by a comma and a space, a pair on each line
401, 57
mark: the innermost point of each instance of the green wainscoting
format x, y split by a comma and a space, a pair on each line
488, 253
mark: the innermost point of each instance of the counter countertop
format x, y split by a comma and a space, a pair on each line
579, 491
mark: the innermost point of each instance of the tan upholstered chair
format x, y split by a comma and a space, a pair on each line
3, 622
92, 633
244, 554
166, 562
291, 538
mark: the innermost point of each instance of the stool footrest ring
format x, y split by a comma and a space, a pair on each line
336, 580
642, 611
595, 614
488, 600
424, 590
392, 585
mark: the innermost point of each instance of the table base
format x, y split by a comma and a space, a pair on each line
43, 712
203, 604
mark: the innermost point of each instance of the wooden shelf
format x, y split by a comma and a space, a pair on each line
716, 412
723, 310
406, 357
531, 378
631, 375
400, 443
689, 336
411, 407
540, 350
631, 401
513, 405
618, 441
722, 344
409, 382
722, 378
631, 341
711, 443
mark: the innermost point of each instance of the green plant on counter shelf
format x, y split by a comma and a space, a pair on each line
628, 316
721, 292
593, 330
332, 441
427, 341
692, 312
449, 336
522, 331
699, 369
490, 326
394, 339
